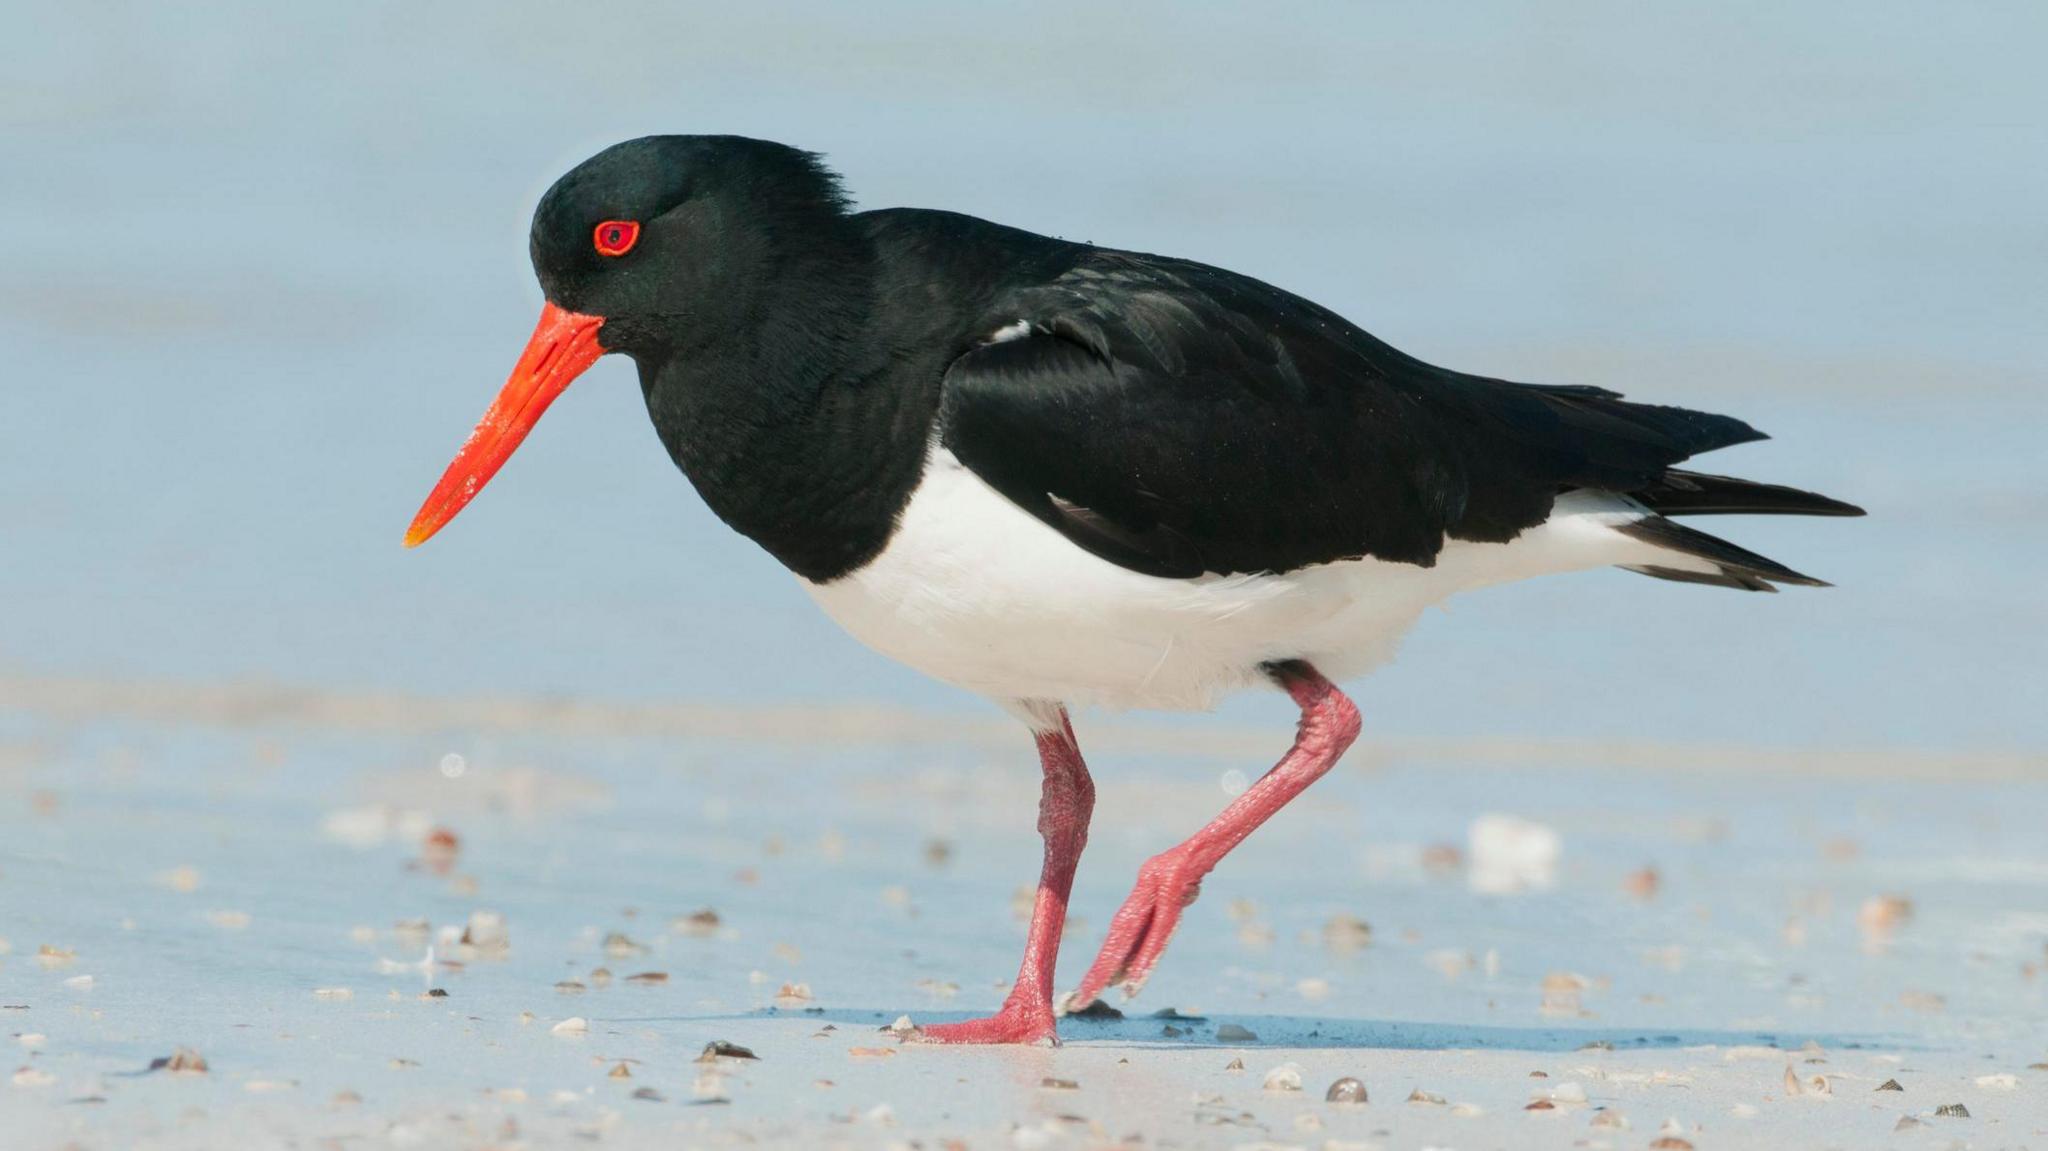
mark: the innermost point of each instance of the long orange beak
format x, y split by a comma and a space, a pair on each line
563, 344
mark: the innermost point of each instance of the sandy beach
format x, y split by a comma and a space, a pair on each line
1727, 947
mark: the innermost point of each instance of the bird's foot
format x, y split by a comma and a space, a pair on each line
1138, 932
1012, 1024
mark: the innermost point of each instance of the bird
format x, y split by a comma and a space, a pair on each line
1067, 476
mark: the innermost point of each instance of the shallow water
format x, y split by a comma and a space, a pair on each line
263, 268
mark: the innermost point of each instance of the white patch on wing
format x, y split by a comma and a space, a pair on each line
974, 590
1008, 332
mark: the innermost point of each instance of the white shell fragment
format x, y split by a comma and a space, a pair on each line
1286, 1077
1511, 855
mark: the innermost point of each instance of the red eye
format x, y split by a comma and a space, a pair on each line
616, 237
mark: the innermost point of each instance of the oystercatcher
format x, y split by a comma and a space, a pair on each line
1059, 474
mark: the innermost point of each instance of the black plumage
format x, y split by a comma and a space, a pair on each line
1168, 416
1180, 419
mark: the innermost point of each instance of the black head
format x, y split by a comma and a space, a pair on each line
664, 248
666, 234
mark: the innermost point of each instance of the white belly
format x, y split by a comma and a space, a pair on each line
975, 591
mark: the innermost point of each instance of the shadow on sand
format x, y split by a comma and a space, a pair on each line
1174, 1030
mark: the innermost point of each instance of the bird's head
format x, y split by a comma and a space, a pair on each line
648, 247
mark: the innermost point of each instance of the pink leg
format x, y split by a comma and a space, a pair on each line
1171, 880
1064, 805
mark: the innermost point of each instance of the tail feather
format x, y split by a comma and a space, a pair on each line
1683, 493
1625, 444
1733, 566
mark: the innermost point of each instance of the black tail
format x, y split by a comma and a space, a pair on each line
1629, 448
1681, 493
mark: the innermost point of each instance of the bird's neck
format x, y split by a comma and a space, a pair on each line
800, 423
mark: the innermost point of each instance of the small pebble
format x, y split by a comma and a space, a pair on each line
1346, 933
1233, 1033
183, 1061
1952, 1111
1420, 1096
1234, 1065
183, 879
1881, 915
619, 1071
1922, 1001
486, 933
619, 945
701, 922
439, 847
1890, 1085
1643, 884
649, 1094
1051, 1084
1099, 1009
1345, 1090
647, 978
720, 1049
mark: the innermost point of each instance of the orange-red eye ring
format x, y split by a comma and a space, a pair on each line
615, 237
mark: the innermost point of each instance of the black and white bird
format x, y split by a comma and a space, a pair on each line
1059, 474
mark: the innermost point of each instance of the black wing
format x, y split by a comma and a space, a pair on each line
1179, 419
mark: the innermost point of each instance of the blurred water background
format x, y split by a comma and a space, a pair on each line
262, 265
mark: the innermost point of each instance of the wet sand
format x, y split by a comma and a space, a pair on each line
1643, 945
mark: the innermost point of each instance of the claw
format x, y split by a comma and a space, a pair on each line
1141, 928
